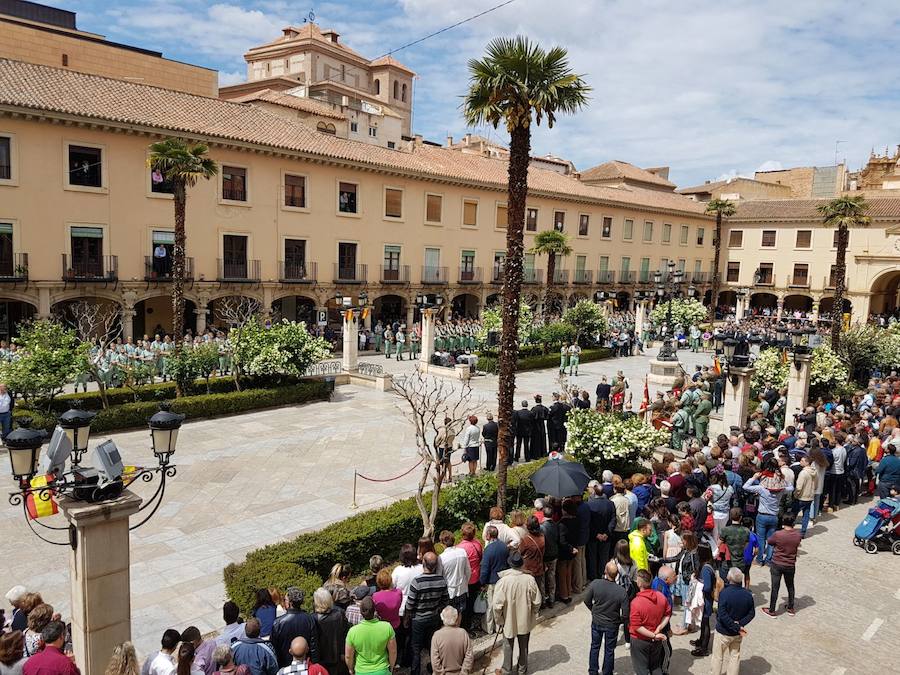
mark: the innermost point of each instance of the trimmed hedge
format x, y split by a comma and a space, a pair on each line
131, 415
306, 560
491, 364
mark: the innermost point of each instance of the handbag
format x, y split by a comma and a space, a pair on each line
709, 524
480, 606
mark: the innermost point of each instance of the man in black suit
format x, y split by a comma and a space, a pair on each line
539, 430
603, 391
489, 433
523, 426
603, 522
556, 425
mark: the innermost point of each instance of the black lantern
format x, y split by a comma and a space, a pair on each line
729, 345
755, 341
164, 427
781, 333
719, 339
24, 446
657, 277
692, 292
363, 299
77, 424
797, 336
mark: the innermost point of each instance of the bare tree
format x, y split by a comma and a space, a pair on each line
427, 402
95, 323
237, 311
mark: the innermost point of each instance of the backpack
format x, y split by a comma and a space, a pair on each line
626, 582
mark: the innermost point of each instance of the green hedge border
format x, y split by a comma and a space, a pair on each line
306, 560
490, 364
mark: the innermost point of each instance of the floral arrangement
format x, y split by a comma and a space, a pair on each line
492, 319
827, 372
596, 439
685, 312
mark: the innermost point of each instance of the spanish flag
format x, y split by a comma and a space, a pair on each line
348, 315
365, 313
645, 402
36, 504
717, 366
129, 473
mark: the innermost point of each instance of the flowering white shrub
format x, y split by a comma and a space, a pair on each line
492, 319
596, 439
827, 372
685, 311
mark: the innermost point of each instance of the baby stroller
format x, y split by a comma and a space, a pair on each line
880, 529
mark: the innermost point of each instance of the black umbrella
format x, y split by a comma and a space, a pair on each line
560, 478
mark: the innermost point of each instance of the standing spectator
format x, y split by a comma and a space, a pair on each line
387, 600
505, 533
603, 392
376, 564
637, 543
523, 426
264, 610
493, 562
531, 547
426, 597
51, 660
735, 536
405, 572
489, 433
662, 583
836, 475
583, 534
203, 649
300, 663
556, 424
331, 624
352, 613
371, 644
19, 617
566, 561
224, 659
451, 647
12, 653
769, 491
705, 574
456, 569
7, 404
474, 554
608, 603
471, 442
164, 661
124, 661
888, 471
785, 542
805, 490
186, 664
294, 623
339, 587
547, 582
622, 506
234, 628
251, 651
38, 618
515, 606
735, 612
649, 614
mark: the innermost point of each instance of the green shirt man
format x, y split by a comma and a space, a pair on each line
371, 647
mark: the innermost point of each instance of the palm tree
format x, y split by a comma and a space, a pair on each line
843, 213
183, 163
554, 244
723, 208
517, 83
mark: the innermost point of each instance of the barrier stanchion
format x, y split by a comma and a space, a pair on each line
357, 474
353, 505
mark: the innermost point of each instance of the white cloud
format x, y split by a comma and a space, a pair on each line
228, 78
770, 165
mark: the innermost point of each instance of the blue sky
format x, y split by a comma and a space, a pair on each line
711, 88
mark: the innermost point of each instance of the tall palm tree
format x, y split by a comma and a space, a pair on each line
844, 212
553, 244
183, 163
517, 83
723, 208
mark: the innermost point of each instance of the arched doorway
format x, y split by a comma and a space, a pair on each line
575, 298
465, 305
231, 310
493, 300
763, 303
153, 316
12, 313
827, 304
885, 294
389, 308
797, 303
623, 300
297, 308
91, 318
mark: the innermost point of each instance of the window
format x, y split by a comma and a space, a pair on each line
736, 239
295, 259
627, 231
604, 264
295, 191
801, 275
626, 264
645, 269
163, 249
648, 231
5, 158
431, 273
733, 272
531, 217
834, 239
396, 89
584, 221
470, 213
667, 233
393, 203
85, 166
580, 265
701, 235
347, 193
499, 262
234, 183
347, 261
685, 233
804, 239
403, 94
373, 132
433, 206
764, 274
87, 251
467, 266
502, 216
559, 220
234, 256
377, 87
391, 145
664, 265
391, 268
606, 228
698, 269
832, 276
768, 238
681, 264
326, 128
160, 184
7, 258
354, 126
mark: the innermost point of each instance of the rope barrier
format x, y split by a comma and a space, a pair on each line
388, 480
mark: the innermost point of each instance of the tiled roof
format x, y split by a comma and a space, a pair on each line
706, 187
806, 209
289, 101
617, 169
390, 61
308, 31
54, 90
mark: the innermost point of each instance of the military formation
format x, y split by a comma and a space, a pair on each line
398, 341
689, 405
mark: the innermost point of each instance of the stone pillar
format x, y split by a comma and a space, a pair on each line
201, 313
736, 396
350, 355
814, 312
128, 314
779, 308
43, 303
410, 315
639, 313
100, 578
427, 343
798, 385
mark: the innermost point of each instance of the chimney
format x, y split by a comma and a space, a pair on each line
331, 36
418, 140
449, 140
467, 139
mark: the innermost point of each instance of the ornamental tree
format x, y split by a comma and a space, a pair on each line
48, 358
685, 312
588, 319
285, 348
598, 440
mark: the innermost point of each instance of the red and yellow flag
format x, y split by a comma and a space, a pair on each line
717, 366
36, 505
645, 402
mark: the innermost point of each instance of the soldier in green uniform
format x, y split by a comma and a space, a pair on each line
686, 403
701, 416
388, 342
563, 358
414, 343
400, 340
680, 423
379, 336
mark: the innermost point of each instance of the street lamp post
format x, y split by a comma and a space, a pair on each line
666, 291
428, 307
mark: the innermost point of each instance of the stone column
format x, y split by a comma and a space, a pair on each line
814, 312
350, 355
100, 578
736, 397
779, 308
798, 385
427, 343
43, 303
410, 315
639, 313
128, 314
201, 313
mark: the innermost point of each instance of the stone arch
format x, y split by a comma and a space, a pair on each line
763, 300
575, 298
214, 316
62, 309
153, 314
797, 302
389, 307
86, 294
466, 305
298, 307
623, 300
826, 304
494, 299
885, 290
13, 311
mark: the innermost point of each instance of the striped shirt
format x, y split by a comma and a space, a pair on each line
427, 596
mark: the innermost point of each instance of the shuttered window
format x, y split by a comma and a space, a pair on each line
735, 239
804, 238
502, 217
433, 205
768, 238
470, 214
393, 203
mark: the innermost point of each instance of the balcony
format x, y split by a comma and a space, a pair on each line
395, 274
234, 194
645, 277
238, 271
627, 277
699, 277
14, 268
293, 272
606, 277
434, 275
829, 283
160, 269
583, 277
469, 275
350, 274
765, 280
532, 276
497, 274
560, 277
798, 281
96, 268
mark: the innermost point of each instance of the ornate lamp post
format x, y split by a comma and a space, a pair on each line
351, 314
666, 291
24, 446
77, 425
428, 308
